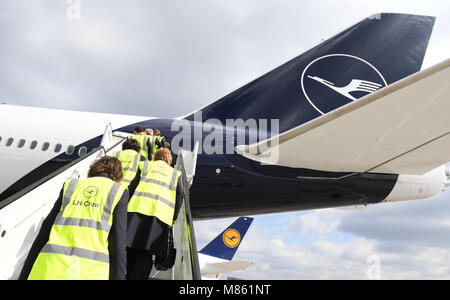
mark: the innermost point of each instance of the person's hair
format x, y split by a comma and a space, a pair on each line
163, 154
138, 129
149, 131
157, 132
109, 166
131, 144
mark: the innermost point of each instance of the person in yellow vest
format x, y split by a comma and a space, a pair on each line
132, 163
154, 141
149, 131
160, 139
84, 236
138, 130
152, 211
144, 141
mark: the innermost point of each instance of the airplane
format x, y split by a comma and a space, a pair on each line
216, 257
322, 148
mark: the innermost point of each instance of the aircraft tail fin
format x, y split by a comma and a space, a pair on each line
364, 58
226, 243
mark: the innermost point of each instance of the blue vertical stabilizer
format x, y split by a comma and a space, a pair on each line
226, 244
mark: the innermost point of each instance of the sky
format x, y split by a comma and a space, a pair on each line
168, 58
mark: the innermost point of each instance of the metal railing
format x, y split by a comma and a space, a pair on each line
22, 214
190, 223
186, 265
43, 180
186, 262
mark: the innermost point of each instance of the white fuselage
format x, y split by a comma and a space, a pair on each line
31, 136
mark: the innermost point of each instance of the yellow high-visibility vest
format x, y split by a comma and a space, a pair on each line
152, 140
162, 140
130, 161
78, 244
156, 193
142, 139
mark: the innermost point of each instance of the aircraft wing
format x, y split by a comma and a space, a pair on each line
401, 129
225, 267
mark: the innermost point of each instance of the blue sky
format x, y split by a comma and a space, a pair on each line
161, 58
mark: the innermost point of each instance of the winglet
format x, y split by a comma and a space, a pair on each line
226, 244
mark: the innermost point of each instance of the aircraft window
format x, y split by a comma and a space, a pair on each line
82, 151
58, 148
70, 149
45, 146
33, 145
0, 138
21, 143
9, 142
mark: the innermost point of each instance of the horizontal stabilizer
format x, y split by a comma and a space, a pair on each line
403, 128
225, 267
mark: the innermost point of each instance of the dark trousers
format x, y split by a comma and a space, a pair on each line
139, 264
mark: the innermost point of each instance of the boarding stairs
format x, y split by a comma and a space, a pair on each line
22, 214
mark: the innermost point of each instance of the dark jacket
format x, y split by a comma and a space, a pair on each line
134, 183
150, 147
149, 233
116, 239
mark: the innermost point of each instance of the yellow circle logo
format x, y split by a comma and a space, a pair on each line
231, 238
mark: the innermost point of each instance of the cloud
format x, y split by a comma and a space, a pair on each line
410, 224
184, 55
313, 224
276, 259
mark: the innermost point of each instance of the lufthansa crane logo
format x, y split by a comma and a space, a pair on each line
90, 191
231, 238
333, 80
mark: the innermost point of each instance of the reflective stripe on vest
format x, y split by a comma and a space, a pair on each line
156, 193
161, 139
74, 251
129, 160
98, 225
142, 139
155, 147
78, 242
